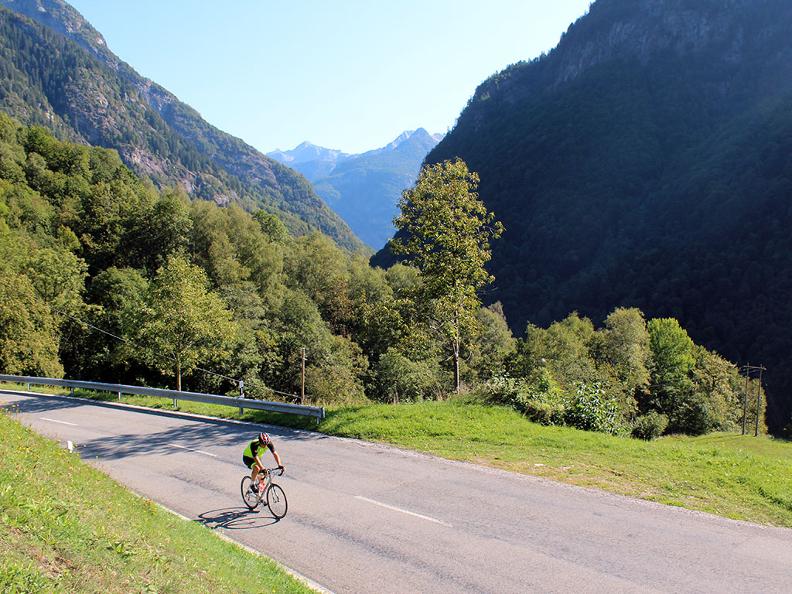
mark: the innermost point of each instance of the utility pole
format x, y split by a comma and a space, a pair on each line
758, 400
302, 382
745, 397
748, 369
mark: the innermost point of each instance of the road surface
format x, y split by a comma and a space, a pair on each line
371, 518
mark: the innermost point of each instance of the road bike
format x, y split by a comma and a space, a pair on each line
269, 493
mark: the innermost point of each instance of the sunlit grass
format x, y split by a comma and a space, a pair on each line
66, 527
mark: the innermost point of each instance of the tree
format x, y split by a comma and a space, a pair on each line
445, 232
496, 343
182, 324
28, 330
672, 390
624, 346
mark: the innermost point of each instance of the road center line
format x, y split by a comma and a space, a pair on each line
57, 421
404, 511
181, 447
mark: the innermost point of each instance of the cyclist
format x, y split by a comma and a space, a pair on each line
253, 454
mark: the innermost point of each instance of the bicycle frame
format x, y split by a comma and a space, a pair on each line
266, 481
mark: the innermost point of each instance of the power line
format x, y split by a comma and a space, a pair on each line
238, 382
127, 341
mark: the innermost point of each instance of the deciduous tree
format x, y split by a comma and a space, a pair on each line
182, 324
446, 232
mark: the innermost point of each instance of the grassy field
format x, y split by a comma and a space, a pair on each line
66, 527
738, 477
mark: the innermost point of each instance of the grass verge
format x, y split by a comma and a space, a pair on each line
66, 527
739, 477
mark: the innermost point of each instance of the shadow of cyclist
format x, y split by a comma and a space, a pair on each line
236, 518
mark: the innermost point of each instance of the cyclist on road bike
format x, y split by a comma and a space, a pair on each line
253, 454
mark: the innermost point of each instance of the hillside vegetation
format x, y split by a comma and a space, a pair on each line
65, 527
57, 71
104, 278
644, 162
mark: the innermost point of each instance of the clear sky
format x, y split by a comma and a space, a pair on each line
346, 74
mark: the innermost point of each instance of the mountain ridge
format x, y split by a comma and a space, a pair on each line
364, 188
57, 71
643, 162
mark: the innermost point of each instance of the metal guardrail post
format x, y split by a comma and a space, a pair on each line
119, 396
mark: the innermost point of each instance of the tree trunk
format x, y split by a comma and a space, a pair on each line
178, 376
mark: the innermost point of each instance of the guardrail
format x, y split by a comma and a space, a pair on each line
316, 412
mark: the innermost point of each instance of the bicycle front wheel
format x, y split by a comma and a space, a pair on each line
276, 500
250, 499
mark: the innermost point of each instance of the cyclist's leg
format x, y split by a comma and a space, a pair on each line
254, 472
251, 463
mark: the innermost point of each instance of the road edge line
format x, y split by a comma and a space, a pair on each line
601, 493
222, 536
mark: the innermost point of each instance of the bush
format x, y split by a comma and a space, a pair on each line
541, 400
400, 379
650, 426
592, 409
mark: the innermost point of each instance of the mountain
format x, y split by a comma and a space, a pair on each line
314, 162
646, 161
57, 71
365, 188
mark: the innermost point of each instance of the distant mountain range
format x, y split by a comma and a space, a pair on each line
646, 161
57, 71
364, 188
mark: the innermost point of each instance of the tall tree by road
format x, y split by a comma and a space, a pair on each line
445, 231
182, 324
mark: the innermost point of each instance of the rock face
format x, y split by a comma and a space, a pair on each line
645, 161
56, 70
364, 189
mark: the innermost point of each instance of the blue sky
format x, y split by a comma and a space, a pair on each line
346, 74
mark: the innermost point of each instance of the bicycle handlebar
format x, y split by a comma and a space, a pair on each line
280, 468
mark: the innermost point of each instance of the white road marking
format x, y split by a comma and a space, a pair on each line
404, 511
57, 421
181, 447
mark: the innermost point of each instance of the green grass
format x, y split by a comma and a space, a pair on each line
66, 527
730, 475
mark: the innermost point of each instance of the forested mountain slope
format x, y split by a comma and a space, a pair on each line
646, 161
57, 71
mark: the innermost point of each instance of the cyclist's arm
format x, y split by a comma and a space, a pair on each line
277, 458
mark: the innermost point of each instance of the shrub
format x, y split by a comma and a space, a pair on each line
399, 379
650, 426
541, 400
592, 409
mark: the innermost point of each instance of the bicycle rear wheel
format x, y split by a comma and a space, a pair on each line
249, 498
276, 500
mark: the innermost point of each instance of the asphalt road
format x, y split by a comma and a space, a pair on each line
371, 518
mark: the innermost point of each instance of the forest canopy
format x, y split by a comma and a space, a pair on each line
104, 277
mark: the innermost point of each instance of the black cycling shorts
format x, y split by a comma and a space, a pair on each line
248, 461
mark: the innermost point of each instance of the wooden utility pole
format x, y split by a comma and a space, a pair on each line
758, 400
748, 369
302, 382
745, 397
